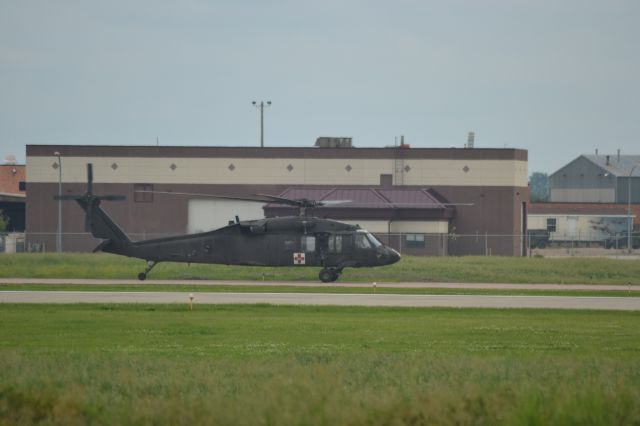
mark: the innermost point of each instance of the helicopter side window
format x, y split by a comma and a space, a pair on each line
335, 244
289, 245
308, 243
362, 241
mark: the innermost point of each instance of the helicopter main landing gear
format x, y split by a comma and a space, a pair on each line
143, 275
329, 275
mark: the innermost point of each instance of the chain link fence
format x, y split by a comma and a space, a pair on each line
478, 244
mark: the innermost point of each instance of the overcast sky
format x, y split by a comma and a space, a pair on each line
558, 78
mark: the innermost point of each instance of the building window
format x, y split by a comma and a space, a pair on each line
551, 224
141, 194
22, 186
414, 240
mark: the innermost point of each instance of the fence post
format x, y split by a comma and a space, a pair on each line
486, 243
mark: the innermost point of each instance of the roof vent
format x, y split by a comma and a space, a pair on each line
10, 160
331, 142
471, 137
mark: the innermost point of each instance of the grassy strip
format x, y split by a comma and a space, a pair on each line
320, 289
122, 364
409, 269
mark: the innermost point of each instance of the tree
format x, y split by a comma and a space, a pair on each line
539, 187
4, 221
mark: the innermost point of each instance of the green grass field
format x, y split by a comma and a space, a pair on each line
141, 364
416, 269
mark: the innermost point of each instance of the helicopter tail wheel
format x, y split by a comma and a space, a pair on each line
143, 275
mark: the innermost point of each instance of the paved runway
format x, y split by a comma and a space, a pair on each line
482, 286
396, 300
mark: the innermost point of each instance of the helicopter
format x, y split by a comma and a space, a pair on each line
277, 241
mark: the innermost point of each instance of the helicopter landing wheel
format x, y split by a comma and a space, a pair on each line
328, 275
143, 275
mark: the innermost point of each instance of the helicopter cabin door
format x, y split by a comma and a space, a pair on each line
293, 250
281, 249
307, 253
337, 246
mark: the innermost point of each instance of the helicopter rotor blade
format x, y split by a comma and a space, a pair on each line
280, 200
89, 178
88, 216
334, 202
68, 197
87, 223
222, 197
111, 197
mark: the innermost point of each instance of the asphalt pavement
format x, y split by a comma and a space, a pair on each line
426, 285
390, 300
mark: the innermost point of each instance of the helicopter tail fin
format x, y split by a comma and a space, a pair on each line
97, 221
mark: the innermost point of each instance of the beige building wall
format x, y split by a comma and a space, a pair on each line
579, 227
589, 195
288, 171
404, 227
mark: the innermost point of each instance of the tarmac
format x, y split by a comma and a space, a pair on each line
424, 285
326, 299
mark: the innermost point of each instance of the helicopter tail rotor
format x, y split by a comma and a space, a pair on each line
96, 220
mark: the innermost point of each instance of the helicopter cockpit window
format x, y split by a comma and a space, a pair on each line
308, 243
362, 241
373, 240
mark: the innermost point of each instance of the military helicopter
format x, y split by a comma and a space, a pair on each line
278, 241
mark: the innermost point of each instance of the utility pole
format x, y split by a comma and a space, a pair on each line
59, 231
261, 106
629, 225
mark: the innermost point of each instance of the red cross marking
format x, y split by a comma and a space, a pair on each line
298, 258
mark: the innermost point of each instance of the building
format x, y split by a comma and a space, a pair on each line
12, 195
597, 179
582, 223
463, 191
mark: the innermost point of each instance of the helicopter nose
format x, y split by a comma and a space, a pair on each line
390, 256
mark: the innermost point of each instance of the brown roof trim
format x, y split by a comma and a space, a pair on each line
12, 198
277, 152
366, 214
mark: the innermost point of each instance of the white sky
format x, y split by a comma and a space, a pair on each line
558, 78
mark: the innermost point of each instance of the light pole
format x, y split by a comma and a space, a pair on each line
261, 106
629, 225
59, 232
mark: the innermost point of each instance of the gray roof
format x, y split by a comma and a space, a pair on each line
615, 167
